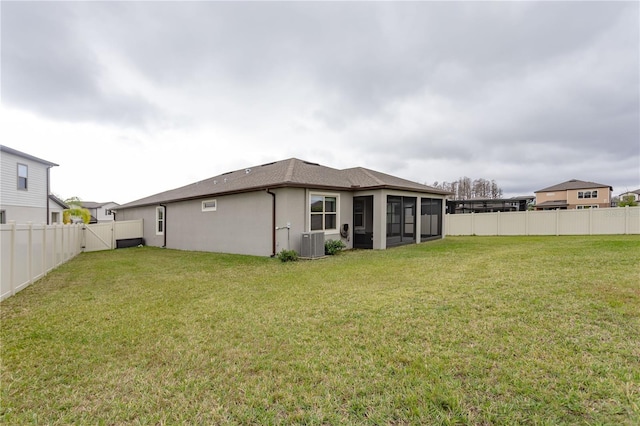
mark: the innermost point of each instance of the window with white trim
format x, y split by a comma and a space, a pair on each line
587, 194
323, 212
23, 175
209, 205
160, 220
587, 207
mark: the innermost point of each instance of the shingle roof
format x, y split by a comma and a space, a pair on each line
94, 205
553, 203
27, 156
286, 173
58, 201
574, 184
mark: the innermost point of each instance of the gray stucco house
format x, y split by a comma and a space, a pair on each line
264, 209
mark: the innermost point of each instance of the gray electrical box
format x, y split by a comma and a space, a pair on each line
312, 245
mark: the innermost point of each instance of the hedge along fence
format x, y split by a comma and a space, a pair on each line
616, 220
29, 251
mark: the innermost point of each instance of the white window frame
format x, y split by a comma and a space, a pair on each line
324, 195
210, 209
160, 220
25, 177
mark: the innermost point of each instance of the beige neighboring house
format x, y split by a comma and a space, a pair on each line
574, 194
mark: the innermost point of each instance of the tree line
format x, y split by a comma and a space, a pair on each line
465, 189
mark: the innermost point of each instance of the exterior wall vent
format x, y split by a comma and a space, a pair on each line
312, 245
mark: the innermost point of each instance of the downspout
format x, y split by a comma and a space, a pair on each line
273, 223
48, 192
164, 234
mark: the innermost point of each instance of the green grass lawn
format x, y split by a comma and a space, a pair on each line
466, 330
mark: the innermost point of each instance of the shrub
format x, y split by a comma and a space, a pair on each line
332, 247
288, 256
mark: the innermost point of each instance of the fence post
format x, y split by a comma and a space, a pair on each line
526, 222
626, 220
30, 253
591, 221
12, 258
44, 249
557, 222
473, 225
498, 223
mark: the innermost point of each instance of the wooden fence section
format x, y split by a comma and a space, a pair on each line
617, 220
29, 251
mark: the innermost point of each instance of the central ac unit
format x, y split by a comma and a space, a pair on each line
312, 245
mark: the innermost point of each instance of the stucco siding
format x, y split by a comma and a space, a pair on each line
240, 224
148, 216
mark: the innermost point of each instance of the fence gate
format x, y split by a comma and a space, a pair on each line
103, 236
98, 236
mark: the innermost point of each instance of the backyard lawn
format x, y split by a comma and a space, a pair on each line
465, 330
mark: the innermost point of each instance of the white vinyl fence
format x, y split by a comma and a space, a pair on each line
29, 251
616, 220
103, 236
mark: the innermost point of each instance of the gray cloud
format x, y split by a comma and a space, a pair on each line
464, 82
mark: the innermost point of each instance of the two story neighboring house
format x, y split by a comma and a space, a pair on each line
100, 212
573, 194
635, 194
24, 187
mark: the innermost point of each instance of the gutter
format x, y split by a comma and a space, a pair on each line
273, 223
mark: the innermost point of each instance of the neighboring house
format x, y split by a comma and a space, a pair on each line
56, 209
489, 205
574, 194
264, 209
635, 194
24, 187
100, 212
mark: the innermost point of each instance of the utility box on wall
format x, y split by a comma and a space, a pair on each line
312, 245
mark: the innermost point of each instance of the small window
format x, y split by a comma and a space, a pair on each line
594, 194
580, 194
107, 212
209, 205
23, 174
587, 194
324, 212
160, 220
3, 217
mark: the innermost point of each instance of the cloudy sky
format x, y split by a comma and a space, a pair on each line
134, 98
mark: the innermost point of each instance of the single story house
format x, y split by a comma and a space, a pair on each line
490, 205
264, 209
